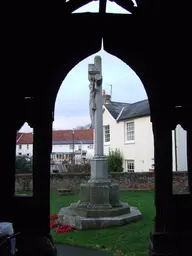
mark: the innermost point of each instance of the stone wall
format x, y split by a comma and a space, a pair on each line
127, 181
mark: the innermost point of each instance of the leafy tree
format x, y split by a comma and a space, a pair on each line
115, 161
23, 164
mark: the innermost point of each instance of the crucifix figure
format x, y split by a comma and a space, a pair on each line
94, 75
96, 104
92, 103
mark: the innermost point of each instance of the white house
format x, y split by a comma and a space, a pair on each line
179, 149
127, 127
66, 144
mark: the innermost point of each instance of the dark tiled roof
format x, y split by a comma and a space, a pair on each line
115, 108
62, 137
130, 110
137, 109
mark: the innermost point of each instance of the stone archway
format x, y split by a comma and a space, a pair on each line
80, 54
158, 50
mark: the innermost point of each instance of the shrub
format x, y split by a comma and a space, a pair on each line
115, 161
23, 164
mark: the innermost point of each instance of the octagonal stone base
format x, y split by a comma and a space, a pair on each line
99, 212
69, 216
99, 195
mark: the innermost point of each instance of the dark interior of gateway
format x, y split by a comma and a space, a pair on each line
40, 43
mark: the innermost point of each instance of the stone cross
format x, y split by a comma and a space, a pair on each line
99, 205
96, 104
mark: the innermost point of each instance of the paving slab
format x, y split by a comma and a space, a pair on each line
63, 250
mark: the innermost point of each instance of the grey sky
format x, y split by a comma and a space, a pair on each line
72, 103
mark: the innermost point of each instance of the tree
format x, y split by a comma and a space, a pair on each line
81, 127
24, 164
115, 161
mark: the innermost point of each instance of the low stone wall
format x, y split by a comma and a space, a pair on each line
127, 181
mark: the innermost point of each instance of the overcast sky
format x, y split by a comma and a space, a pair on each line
72, 103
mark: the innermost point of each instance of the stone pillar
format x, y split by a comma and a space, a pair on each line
99, 167
172, 234
162, 130
14, 119
99, 111
7, 175
163, 169
42, 147
98, 184
96, 193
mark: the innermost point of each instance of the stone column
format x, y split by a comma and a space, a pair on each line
96, 193
42, 147
163, 169
163, 180
99, 111
99, 167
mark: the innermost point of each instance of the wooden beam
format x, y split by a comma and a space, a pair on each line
102, 6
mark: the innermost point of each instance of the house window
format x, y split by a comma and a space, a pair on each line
70, 146
130, 131
106, 133
20, 146
129, 165
27, 146
90, 146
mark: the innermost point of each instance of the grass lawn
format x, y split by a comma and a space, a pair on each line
131, 239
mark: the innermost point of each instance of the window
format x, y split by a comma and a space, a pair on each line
129, 166
20, 146
106, 133
70, 146
27, 146
90, 146
130, 131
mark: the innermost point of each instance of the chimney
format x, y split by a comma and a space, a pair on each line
106, 98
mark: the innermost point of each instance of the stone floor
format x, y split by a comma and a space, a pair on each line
63, 250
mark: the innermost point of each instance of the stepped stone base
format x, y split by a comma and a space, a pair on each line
99, 205
108, 218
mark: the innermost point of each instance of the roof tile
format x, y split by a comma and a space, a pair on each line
60, 135
131, 110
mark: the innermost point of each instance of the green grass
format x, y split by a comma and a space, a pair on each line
131, 239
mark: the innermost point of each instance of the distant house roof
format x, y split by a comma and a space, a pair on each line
126, 111
62, 137
19, 134
26, 138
